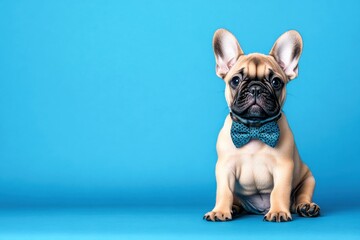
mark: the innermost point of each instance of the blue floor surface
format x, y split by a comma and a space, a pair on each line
168, 223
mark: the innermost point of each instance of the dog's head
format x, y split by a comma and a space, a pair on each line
255, 83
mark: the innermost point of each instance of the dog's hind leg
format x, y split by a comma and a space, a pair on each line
303, 204
237, 209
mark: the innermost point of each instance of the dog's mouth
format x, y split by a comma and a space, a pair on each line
257, 118
256, 112
255, 115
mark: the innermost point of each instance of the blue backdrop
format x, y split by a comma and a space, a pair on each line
117, 103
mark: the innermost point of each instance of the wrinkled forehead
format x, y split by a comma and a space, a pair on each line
256, 66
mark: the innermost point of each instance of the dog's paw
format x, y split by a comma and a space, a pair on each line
277, 216
220, 216
308, 210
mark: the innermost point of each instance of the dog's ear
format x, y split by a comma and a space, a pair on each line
286, 51
227, 50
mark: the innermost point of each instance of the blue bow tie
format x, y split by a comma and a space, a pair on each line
268, 133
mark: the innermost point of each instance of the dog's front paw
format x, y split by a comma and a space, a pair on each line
218, 216
277, 216
308, 210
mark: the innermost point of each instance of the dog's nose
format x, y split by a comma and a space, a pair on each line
255, 90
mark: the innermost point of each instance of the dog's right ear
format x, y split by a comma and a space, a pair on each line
227, 50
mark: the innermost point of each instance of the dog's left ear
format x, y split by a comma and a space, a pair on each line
286, 51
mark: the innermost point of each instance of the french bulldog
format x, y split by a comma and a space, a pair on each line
259, 169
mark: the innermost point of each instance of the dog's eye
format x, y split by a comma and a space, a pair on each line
234, 82
276, 83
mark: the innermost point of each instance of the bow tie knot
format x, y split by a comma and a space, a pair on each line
268, 133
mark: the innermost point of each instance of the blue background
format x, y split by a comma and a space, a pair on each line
114, 103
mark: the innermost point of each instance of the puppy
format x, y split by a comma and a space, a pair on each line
259, 169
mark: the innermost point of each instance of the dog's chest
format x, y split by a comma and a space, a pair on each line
254, 170
253, 178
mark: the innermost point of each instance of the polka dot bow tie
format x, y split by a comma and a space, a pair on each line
268, 133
